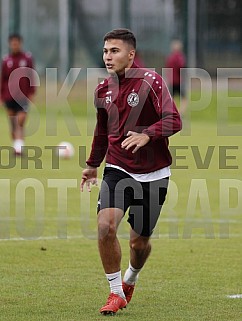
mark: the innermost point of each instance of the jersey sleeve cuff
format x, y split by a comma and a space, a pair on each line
149, 133
92, 165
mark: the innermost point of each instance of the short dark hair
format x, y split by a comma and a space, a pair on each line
123, 34
15, 36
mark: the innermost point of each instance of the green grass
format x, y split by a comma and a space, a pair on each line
197, 255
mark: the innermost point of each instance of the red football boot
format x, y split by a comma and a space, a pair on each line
113, 304
128, 291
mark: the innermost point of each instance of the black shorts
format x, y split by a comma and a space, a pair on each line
177, 90
17, 106
144, 199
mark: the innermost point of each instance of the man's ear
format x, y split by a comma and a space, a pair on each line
131, 54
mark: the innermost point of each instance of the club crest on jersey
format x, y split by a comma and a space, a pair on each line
133, 99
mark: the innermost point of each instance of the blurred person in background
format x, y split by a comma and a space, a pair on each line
175, 61
17, 88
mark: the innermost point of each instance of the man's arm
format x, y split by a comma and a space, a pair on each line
100, 139
1, 81
98, 151
170, 121
32, 89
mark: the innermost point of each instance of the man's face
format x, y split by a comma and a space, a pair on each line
15, 45
117, 55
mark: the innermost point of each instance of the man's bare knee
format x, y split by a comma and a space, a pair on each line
108, 222
140, 244
106, 230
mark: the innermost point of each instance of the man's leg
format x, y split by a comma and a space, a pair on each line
110, 253
21, 119
154, 195
140, 248
13, 122
17, 121
183, 107
109, 247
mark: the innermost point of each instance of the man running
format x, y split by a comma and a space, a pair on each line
135, 117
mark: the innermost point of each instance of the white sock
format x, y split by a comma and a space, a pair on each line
131, 275
115, 283
17, 145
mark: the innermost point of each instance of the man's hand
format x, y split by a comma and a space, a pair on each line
89, 176
135, 139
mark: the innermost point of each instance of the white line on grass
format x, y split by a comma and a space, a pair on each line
235, 296
42, 238
124, 236
92, 219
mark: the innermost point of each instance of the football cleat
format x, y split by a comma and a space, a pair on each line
128, 291
113, 304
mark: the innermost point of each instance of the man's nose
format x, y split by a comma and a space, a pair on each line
108, 56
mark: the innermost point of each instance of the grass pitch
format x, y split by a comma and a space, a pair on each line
50, 268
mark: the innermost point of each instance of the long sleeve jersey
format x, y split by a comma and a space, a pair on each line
139, 102
17, 79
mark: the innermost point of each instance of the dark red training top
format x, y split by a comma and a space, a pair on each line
17, 80
175, 61
139, 102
